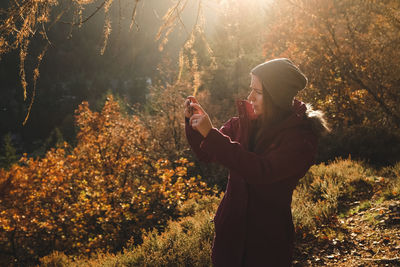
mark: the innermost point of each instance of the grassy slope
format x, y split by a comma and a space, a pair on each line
344, 214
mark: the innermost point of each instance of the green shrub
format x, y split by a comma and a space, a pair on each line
56, 259
392, 172
95, 196
327, 188
393, 190
192, 206
186, 242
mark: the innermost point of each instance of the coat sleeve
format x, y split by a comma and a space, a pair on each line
195, 139
292, 157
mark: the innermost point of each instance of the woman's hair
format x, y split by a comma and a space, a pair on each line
317, 120
271, 115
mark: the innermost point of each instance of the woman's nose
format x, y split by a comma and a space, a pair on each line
250, 97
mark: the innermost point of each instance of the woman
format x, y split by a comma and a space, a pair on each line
268, 148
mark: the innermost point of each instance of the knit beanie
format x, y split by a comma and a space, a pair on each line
281, 79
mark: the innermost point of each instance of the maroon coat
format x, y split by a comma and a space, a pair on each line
253, 223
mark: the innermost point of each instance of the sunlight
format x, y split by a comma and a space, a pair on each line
111, 166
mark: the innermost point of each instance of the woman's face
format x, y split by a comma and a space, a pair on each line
256, 95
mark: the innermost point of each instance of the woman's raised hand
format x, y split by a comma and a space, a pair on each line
199, 119
188, 108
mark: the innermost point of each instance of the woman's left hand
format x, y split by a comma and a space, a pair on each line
200, 121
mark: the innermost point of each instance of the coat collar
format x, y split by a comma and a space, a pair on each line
247, 115
246, 112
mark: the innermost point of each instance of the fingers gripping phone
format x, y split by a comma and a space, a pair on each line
190, 108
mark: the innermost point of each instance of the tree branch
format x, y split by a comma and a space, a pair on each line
89, 17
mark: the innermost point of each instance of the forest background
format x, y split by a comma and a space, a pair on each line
93, 151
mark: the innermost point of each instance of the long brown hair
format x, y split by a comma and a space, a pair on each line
272, 115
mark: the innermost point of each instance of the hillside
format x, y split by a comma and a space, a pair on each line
345, 214
368, 236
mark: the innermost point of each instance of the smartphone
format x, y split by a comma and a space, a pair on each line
190, 108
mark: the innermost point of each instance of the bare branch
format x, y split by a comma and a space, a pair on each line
86, 19
134, 15
35, 77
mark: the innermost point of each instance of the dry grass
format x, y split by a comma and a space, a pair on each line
323, 193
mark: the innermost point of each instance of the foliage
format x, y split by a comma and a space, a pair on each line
393, 173
25, 22
94, 196
379, 146
348, 50
186, 242
55, 139
237, 46
163, 117
363, 206
162, 114
56, 259
326, 189
9, 152
393, 192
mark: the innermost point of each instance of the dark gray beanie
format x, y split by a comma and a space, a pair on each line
281, 79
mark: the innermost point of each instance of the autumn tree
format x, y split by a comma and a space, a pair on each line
237, 44
348, 49
25, 22
9, 153
95, 196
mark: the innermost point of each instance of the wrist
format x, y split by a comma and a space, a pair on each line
206, 132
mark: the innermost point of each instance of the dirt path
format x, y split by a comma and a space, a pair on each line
368, 236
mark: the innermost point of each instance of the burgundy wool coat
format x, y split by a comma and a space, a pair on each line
253, 223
